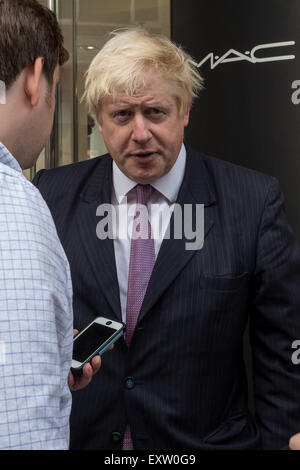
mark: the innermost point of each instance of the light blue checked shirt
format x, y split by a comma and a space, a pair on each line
36, 321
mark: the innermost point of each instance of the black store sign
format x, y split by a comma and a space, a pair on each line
248, 51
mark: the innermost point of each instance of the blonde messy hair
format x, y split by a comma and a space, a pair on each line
124, 63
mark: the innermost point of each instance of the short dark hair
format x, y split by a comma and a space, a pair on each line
28, 30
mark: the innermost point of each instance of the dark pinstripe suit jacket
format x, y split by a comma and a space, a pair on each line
186, 355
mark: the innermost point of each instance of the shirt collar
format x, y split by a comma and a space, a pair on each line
121, 183
7, 159
168, 185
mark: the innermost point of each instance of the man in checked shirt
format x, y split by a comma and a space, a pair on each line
36, 321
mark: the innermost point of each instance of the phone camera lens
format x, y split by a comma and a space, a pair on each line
108, 322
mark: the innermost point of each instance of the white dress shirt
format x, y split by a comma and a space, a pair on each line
124, 201
36, 320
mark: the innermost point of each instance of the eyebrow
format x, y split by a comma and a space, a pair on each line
146, 104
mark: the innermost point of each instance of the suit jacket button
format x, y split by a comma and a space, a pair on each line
129, 383
116, 437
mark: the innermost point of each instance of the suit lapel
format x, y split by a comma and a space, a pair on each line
100, 253
173, 255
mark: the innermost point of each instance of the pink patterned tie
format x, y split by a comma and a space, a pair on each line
142, 259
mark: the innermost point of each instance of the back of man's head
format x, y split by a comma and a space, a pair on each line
28, 30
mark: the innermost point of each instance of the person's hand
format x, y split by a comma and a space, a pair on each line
78, 382
294, 443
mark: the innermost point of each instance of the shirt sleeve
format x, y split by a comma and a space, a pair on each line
36, 322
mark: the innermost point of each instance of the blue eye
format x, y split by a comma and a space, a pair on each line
154, 112
122, 115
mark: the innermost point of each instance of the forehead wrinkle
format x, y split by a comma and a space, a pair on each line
142, 101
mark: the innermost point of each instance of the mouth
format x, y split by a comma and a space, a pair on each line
144, 155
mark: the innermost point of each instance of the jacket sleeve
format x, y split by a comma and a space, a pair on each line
275, 325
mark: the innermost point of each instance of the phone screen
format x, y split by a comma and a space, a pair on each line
87, 343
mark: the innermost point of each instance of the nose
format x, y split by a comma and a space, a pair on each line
140, 130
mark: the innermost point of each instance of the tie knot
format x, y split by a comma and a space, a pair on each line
143, 193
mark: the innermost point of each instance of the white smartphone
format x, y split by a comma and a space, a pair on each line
93, 340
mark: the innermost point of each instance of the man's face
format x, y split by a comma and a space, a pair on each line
143, 133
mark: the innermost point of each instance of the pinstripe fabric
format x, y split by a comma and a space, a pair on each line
186, 354
35, 318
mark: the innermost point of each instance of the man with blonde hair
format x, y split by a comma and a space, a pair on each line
178, 378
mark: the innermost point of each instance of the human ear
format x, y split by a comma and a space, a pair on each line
186, 117
33, 74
